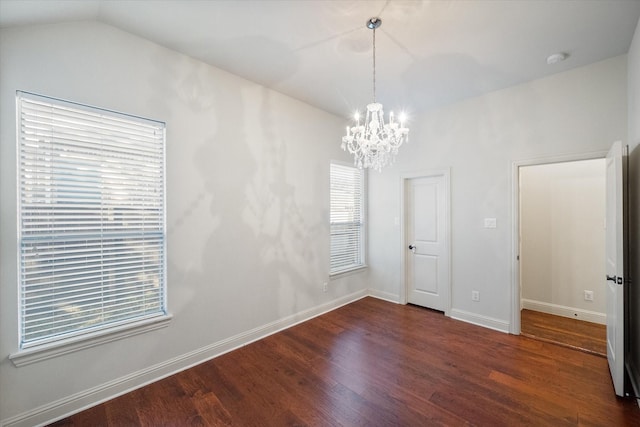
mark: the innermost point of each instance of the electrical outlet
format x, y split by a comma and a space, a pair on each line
588, 295
324, 287
475, 295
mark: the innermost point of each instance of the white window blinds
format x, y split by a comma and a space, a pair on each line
91, 219
347, 218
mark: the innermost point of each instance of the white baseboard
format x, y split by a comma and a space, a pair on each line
80, 401
477, 319
386, 296
564, 311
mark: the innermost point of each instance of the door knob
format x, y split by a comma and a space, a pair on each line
615, 279
412, 247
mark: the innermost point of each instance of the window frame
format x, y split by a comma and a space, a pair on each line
52, 346
333, 274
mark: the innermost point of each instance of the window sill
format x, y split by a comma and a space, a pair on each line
48, 351
344, 273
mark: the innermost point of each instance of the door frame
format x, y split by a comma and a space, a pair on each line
514, 327
404, 180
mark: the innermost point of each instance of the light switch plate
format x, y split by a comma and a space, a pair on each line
490, 223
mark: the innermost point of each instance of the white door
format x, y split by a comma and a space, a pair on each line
615, 265
427, 259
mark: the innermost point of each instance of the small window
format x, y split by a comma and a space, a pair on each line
91, 214
347, 218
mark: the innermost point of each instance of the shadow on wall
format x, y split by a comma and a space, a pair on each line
257, 247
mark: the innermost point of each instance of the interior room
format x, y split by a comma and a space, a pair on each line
562, 224
225, 217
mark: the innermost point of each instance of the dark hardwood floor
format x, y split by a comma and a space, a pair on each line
578, 334
375, 363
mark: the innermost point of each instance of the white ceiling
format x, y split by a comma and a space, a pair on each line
429, 53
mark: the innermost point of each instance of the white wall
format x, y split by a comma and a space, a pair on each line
578, 111
633, 100
247, 208
562, 238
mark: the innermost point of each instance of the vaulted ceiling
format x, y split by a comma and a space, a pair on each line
429, 53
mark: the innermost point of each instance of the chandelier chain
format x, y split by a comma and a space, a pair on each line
374, 65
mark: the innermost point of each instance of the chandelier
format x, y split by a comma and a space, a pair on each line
373, 143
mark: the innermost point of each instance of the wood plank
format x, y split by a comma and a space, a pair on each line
574, 333
369, 364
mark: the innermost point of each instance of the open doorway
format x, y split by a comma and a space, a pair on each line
561, 248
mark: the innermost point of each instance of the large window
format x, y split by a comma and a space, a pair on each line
347, 218
91, 214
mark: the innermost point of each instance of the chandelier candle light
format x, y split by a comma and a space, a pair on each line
375, 144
